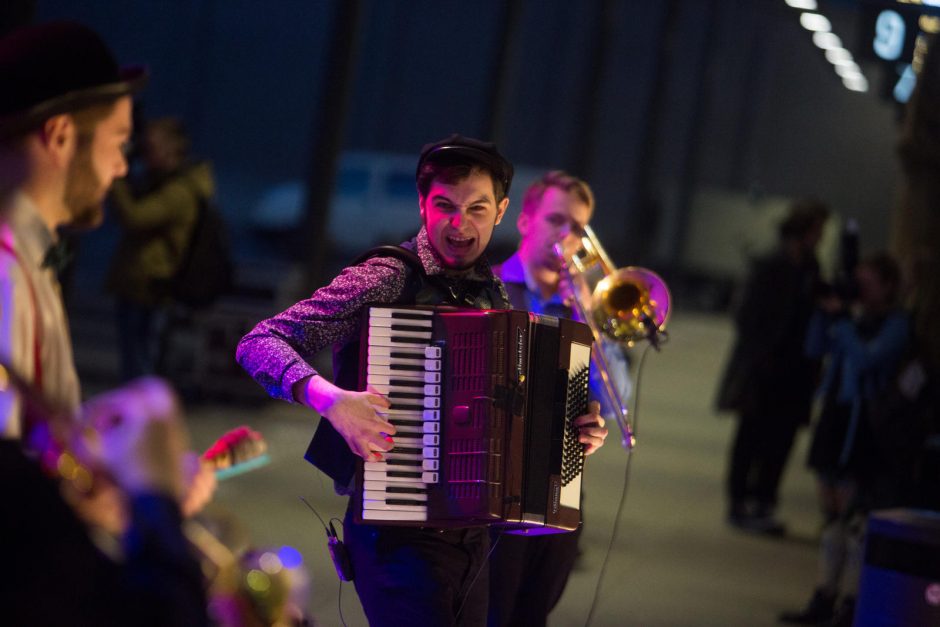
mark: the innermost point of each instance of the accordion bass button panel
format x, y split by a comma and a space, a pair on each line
405, 368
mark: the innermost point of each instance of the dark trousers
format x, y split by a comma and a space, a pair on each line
139, 336
759, 454
411, 577
528, 576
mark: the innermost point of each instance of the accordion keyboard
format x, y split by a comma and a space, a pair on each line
403, 366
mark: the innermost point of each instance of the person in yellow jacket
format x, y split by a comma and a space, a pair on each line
157, 214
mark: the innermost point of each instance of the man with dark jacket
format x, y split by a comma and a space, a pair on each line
404, 575
769, 381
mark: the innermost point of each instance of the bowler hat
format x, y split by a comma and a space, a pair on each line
459, 149
55, 68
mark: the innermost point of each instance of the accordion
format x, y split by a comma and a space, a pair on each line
482, 401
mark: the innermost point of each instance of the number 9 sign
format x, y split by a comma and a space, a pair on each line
889, 35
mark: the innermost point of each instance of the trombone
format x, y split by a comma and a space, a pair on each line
625, 306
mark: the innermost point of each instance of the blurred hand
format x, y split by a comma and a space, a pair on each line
592, 431
357, 416
200, 484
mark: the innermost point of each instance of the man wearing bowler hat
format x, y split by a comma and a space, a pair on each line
65, 117
403, 575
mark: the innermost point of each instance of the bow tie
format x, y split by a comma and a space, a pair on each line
57, 256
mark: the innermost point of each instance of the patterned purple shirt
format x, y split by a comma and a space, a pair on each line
276, 353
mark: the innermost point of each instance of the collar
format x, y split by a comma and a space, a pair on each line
433, 265
514, 271
31, 237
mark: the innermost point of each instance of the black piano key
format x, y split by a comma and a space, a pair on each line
406, 395
406, 367
405, 502
404, 340
407, 450
406, 423
403, 474
403, 462
404, 355
411, 383
408, 315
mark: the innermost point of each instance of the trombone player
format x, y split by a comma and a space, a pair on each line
528, 574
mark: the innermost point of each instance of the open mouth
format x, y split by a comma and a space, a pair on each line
459, 242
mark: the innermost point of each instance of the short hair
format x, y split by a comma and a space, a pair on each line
804, 215
452, 173
888, 271
173, 129
560, 180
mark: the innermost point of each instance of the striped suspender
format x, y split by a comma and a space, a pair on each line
37, 343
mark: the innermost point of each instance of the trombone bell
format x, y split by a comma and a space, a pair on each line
630, 304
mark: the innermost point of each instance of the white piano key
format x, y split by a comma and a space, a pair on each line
432, 364
432, 427
431, 414
377, 332
432, 352
399, 516
388, 312
389, 342
430, 452
403, 414
422, 476
404, 352
396, 507
386, 466
381, 376
376, 323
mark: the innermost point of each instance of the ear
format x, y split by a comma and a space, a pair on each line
501, 209
58, 138
522, 223
421, 211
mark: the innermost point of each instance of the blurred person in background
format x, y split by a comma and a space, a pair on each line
528, 574
864, 343
157, 212
769, 380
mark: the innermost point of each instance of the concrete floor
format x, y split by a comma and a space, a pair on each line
673, 560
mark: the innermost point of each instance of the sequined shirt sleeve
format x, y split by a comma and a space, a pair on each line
278, 351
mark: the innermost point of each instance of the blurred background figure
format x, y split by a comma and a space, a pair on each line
157, 210
864, 341
769, 381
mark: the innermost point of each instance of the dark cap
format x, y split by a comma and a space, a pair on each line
457, 149
54, 68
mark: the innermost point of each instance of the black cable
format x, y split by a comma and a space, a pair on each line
486, 561
339, 603
327, 529
330, 533
623, 493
